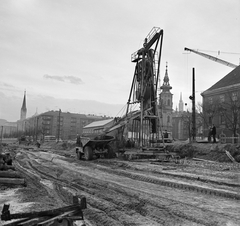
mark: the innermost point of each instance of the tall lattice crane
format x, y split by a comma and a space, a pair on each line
212, 58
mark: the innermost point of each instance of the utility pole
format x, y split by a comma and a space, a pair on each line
193, 107
1, 138
37, 129
59, 125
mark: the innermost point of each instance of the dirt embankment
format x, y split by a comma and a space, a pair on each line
207, 151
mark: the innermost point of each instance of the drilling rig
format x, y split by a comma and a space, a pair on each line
144, 90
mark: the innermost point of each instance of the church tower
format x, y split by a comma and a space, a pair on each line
23, 114
165, 103
180, 105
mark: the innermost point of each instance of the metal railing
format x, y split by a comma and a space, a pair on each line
229, 140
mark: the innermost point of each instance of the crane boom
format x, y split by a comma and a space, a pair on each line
212, 58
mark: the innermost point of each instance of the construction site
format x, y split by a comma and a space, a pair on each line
100, 179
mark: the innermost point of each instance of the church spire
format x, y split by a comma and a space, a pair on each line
24, 108
180, 105
166, 85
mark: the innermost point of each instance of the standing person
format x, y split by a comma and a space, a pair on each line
209, 134
79, 142
214, 133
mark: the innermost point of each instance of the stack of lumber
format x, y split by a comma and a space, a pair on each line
8, 175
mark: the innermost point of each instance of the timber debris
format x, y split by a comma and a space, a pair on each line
62, 216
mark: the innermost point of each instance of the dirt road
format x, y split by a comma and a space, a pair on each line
128, 193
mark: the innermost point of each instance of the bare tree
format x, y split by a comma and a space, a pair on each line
229, 111
187, 122
208, 111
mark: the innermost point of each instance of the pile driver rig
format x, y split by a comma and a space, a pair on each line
143, 124
144, 89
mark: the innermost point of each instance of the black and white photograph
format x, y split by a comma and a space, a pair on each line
119, 113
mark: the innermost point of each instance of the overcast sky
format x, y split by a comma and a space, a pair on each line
65, 50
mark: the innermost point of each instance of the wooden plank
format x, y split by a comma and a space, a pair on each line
45, 213
32, 221
16, 222
72, 212
17, 181
10, 174
203, 160
230, 156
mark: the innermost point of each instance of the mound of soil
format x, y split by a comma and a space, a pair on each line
213, 152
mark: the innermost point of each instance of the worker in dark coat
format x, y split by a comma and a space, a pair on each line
214, 133
209, 134
79, 142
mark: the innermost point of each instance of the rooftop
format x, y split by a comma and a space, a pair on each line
98, 123
232, 78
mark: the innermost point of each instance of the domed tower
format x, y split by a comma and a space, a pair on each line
165, 103
23, 114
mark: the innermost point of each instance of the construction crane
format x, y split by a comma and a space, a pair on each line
212, 58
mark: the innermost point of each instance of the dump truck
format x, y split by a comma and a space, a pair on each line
99, 138
98, 146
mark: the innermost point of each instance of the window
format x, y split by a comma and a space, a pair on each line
73, 120
234, 96
168, 102
222, 98
222, 119
168, 119
47, 117
210, 100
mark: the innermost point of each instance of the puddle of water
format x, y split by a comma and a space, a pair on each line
9, 196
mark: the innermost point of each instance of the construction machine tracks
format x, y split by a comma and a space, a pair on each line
122, 193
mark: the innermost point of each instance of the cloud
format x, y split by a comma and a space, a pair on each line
8, 85
72, 79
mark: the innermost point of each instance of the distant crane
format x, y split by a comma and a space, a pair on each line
212, 58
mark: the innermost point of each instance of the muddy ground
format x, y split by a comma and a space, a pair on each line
131, 192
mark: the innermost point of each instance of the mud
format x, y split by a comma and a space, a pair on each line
138, 192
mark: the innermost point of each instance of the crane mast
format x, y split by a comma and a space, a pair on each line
212, 58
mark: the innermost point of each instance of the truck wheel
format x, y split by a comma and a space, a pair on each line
88, 153
110, 153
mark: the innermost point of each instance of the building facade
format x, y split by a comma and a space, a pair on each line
8, 129
62, 125
221, 105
